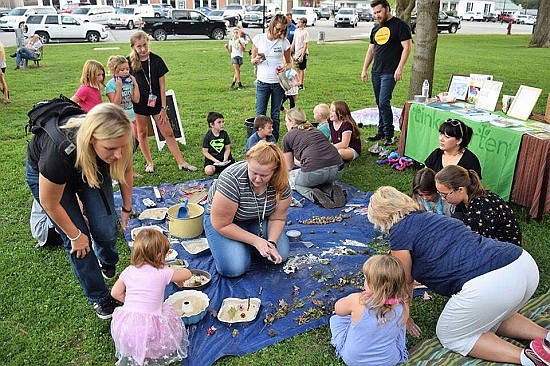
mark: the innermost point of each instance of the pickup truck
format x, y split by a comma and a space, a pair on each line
444, 23
184, 22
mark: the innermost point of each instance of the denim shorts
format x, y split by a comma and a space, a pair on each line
237, 60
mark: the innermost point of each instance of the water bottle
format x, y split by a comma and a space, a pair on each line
426, 88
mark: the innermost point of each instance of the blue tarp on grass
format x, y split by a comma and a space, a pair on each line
309, 293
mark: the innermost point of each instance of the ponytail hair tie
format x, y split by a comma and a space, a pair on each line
392, 301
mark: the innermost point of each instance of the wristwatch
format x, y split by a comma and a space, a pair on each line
165, 107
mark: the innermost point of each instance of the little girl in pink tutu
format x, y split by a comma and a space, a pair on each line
146, 330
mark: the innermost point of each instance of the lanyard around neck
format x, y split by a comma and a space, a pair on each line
148, 79
260, 218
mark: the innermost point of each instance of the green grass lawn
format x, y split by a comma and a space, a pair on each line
44, 319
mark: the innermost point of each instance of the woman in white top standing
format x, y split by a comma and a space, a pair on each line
236, 46
271, 54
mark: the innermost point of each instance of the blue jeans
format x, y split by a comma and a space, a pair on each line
24, 53
277, 93
322, 178
232, 258
383, 85
102, 226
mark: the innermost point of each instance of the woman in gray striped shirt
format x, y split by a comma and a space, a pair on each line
246, 211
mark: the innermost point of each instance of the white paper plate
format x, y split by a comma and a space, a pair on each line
242, 313
195, 246
158, 213
171, 255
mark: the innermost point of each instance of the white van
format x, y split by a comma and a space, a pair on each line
130, 16
16, 18
93, 13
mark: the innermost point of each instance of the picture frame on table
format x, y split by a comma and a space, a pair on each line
175, 120
476, 82
488, 95
524, 102
458, 86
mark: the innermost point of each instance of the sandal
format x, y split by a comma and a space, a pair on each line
188, 168
150, 168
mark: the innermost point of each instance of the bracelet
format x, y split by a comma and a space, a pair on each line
125, 210
76, 237
164, 107
272, 242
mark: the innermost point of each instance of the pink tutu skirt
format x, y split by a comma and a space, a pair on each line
149, 339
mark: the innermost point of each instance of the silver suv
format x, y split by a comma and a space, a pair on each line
235, 9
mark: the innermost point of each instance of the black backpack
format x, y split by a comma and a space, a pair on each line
49, 116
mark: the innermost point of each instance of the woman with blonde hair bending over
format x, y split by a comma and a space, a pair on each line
320, 163
486, 281
369, 326
150, 73
483, 211
104, 144
246, 211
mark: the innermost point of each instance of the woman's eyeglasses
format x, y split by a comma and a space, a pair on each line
454, 123
445, 195
280, 30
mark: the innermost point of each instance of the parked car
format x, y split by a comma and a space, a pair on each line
184, 22
16, 18
255, 14
63, 26
223, 15
508, 18
304, 12
93, 13
525, 19
325, 13
70, 7
365, 15
490, 17
346, 16
236, 9
473, 16
161, 10
444, 23
205, 9
130, 16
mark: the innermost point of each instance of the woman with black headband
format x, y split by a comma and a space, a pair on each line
454, 137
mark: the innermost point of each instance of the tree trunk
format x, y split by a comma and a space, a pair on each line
425, 44
541, 36
403, 10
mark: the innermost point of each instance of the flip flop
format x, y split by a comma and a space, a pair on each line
188, 168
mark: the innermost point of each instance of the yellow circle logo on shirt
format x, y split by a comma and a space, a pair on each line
382, 36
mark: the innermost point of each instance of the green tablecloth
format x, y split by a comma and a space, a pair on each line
496, 147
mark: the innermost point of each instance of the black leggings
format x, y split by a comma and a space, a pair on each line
292, 99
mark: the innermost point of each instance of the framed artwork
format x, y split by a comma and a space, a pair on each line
547, 114
458, 86
524, 101
476, 81
175, 121
488, 95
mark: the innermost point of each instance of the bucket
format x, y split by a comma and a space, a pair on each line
189, 227
249, 123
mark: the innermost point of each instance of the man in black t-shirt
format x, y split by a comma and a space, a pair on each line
390, 45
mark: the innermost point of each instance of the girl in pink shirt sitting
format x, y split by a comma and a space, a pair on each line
88, 94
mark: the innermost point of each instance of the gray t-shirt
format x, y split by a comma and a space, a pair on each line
234, 184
